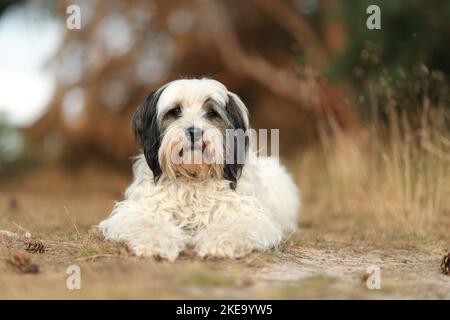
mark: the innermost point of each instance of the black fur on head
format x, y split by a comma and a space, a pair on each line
232, 171
146, 131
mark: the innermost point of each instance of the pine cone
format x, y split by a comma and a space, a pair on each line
445, 264
21, 262
34, 246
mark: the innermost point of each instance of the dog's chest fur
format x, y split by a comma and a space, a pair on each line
189, 204
196, 202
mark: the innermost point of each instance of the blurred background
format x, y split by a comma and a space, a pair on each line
68, 95
311, 68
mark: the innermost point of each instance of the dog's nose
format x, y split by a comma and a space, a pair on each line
195, 134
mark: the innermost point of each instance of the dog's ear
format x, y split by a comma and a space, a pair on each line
238, 141
147, 133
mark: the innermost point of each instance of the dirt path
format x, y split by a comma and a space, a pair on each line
403, 273
298, 272
318, 263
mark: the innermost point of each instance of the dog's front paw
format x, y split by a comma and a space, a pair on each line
224, 248
225, 242
158, 247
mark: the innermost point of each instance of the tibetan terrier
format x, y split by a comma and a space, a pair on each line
197, 184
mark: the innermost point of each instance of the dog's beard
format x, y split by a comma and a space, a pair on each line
203, 160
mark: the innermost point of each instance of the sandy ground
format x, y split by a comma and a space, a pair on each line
58, 211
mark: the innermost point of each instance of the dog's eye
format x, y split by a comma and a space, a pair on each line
211, 113
175, 112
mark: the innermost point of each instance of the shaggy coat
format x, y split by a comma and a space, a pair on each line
220, 209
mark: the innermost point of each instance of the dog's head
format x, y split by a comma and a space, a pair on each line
193, 128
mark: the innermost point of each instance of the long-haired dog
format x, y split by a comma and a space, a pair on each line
194, 184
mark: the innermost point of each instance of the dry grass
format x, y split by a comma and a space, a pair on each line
390, 180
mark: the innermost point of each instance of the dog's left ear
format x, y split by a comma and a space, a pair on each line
146, 131
238, 118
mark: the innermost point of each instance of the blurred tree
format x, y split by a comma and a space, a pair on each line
127, 49
11, 143
278, 54
6, 3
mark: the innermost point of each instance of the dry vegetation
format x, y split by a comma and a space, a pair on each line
378, 197
391, 179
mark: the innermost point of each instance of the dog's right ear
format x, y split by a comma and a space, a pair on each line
147, 133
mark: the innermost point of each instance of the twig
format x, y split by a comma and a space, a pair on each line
97, 256
18, 226
72, 221
433, 150
8, 233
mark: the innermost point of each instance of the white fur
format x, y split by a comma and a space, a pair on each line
162, 219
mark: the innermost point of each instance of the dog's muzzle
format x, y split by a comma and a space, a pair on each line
194, 135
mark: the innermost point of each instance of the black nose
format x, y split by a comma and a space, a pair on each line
195, 134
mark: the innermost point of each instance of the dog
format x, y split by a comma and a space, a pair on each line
192, 187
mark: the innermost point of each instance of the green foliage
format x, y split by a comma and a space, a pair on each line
402, 65
11, 143
412, 32
411, 91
